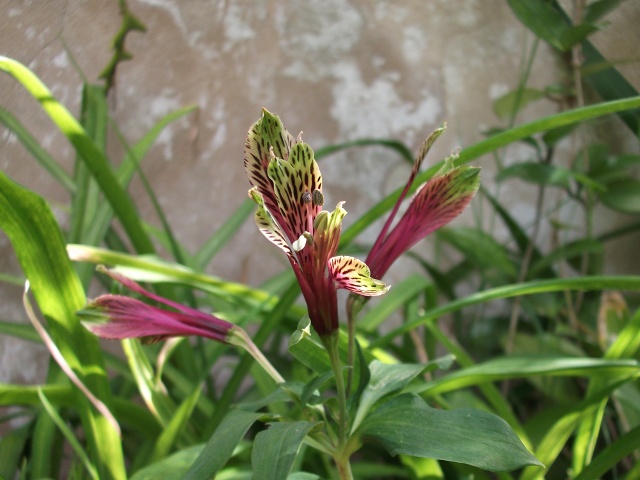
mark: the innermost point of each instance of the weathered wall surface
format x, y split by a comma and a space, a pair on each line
337, 69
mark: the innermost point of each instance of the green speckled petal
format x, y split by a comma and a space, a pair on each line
268, 226
294, 182
263, 135
354, 275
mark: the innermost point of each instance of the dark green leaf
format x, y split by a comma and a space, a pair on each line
406, 424
544, 19
623, 196
275, 449
390, 378
220, 446
565, 253
172, 467
594, 11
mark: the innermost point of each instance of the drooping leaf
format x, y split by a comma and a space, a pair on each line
407, 425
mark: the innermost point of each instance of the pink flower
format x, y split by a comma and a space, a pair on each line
435, 204
287, 187
120, 317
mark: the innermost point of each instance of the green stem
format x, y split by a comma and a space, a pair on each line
341, 457
237, 336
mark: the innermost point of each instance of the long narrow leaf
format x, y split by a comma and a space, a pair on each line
631, 283
491, 144
34, 148
525, 366
68, 434
86, 148
38, 243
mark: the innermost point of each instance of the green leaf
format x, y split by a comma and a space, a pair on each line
502, 368
623, 196
399, 147
221, 445
610, 84
386, 379
38, 243
88, 151
481, 249
548, 22
12, 445
223, 234
631, 283
565, 253
491, 144
68, 434
594, 11
394, 299
556, 437
171, 433
514, 101
407, 425
172, 467
623, 446
275, 449
33, 147
537, 173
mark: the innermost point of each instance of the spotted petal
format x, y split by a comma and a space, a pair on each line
354, 275
266, 134
436, 203
268, 225
295, 182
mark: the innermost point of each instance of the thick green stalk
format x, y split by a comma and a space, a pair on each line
341, 456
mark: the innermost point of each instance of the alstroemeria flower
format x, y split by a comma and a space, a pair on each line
435, 204
119, 317
287, 186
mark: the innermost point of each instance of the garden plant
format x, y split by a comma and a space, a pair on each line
424, 381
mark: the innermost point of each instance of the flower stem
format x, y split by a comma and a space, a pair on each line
237, 336
341, 457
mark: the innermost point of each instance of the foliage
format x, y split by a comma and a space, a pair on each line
539, 366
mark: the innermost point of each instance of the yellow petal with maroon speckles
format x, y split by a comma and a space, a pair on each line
354, 275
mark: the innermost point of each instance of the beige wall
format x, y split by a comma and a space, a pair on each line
337, 69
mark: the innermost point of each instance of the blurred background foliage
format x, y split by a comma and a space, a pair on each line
542, 333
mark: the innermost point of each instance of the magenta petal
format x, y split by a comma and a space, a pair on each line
439, 201
131, 285
120, 317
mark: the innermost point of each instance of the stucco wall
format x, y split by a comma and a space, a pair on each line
337, 69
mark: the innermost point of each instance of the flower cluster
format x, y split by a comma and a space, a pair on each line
287, 187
